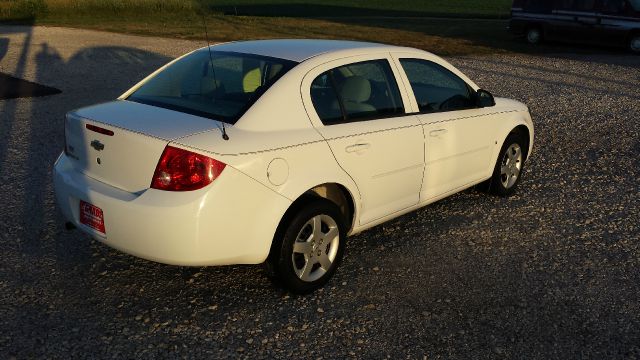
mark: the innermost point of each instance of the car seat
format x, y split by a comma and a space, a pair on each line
355, 92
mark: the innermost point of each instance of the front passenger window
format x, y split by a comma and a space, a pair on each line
436, 89
576, 5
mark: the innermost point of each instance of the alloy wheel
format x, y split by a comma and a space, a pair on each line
511, 166
315, 248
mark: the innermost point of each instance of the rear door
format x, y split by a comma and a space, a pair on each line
357, 106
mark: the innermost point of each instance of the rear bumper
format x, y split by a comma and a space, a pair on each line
231, 221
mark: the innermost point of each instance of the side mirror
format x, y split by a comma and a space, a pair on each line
484, 99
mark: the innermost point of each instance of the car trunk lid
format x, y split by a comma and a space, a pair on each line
119, 143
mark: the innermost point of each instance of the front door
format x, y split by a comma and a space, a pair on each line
458, 137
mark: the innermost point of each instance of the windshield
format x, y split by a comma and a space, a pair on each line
222, 86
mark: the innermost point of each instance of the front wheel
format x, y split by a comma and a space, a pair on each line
509, 167
309, 249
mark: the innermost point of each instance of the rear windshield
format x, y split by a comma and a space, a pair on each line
220, 85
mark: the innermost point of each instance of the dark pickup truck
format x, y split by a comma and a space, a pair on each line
607, 22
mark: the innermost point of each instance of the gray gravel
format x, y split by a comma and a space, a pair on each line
552, 272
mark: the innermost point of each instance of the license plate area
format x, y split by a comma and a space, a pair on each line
91, 216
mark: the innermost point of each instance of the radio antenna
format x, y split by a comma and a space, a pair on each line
213, 72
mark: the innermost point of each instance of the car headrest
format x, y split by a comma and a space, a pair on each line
356, 89
252, 80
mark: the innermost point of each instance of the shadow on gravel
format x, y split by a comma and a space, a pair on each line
49, 268
11, 88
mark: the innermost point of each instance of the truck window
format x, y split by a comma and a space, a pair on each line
613, 6
538, 6
576, 5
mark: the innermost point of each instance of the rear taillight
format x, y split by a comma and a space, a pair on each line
182, 170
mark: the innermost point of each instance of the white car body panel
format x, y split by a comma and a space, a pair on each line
277, 151
388, 163
385, 156
142, 132
189, 228
312, 167
145, 119
459, 145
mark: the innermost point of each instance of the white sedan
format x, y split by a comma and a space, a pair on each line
275, 151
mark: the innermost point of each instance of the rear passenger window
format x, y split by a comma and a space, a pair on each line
436, 88
359, 91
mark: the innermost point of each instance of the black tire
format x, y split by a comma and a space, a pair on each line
286, 266
505, 185
534, 35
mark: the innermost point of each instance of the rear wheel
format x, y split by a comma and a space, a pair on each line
309, 249
509, 167
534, 35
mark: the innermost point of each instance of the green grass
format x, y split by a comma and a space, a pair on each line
373, 20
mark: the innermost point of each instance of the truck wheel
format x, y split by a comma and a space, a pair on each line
534, 35
634, 43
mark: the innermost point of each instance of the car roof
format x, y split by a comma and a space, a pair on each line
297, 50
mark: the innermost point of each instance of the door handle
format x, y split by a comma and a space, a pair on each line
357, 148
436, 133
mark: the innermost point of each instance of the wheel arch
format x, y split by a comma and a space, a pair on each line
526, 134
535, 25
337, 193
521, 127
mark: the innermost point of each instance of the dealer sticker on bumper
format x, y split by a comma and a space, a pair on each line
91, 216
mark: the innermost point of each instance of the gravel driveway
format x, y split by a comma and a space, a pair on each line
552, 272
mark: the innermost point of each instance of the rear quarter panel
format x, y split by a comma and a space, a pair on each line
275, 144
